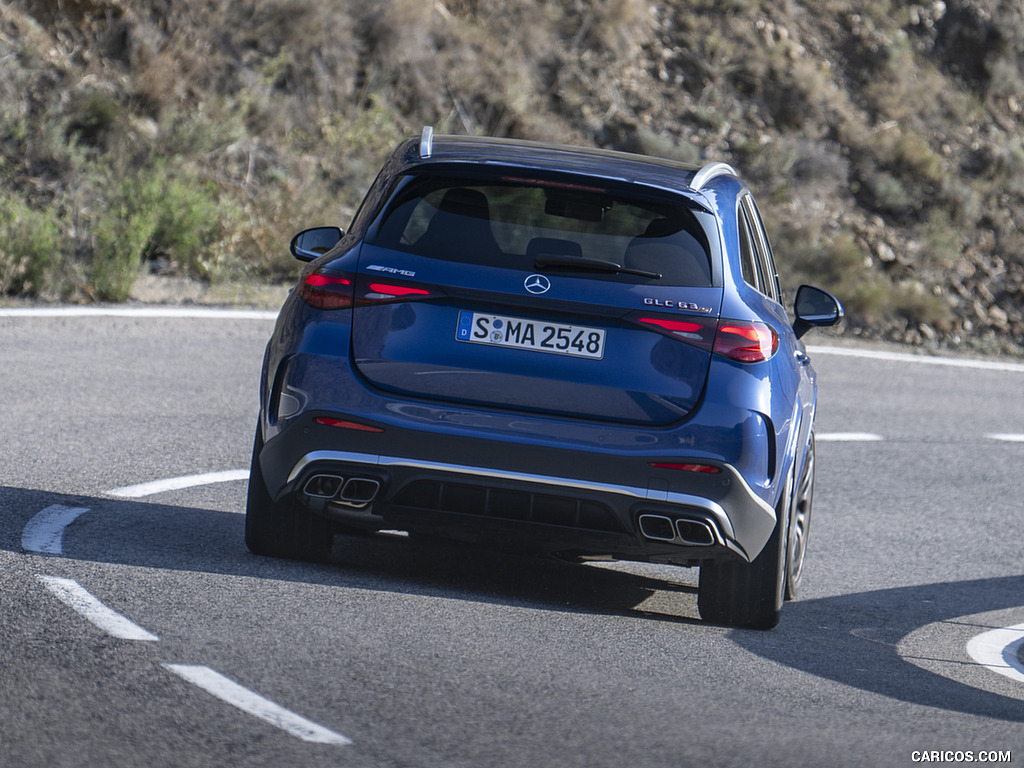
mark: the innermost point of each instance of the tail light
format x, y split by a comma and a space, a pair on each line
699, 331
742, 341
328, 289
324, 289
745, 342
382, 292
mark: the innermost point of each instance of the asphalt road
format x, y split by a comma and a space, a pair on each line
136, 630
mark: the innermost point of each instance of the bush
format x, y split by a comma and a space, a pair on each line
944, 242
120, 238
150, 215
187, 218
30, 243
887, 193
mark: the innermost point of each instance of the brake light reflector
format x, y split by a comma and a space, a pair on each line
704, 469
325, 290
327, 421
745, 342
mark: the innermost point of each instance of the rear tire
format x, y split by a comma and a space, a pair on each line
740, 594
282, 530
800, 524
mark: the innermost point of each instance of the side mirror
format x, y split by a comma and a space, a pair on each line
815, 308
312, 243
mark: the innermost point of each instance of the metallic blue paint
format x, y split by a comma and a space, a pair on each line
508, 423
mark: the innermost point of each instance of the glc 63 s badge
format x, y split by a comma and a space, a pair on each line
686, 306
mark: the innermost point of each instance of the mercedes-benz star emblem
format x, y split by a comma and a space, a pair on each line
537, 284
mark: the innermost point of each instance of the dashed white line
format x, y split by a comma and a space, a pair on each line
44, 533
110, 621
1006, 438
998, 650
75, 596
234, 694
177, 483
848, 437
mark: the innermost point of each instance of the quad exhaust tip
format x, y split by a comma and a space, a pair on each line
353, 491
359, 490
678, 530
324, 486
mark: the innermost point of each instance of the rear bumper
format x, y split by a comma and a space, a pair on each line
583, 503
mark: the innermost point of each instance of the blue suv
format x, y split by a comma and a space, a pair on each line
569, 351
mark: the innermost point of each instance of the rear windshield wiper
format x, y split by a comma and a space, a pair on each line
593, 265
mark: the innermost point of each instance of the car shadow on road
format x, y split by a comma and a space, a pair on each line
181, 538
860, 640
852, 639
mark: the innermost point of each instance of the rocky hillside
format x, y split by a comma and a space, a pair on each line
194, 136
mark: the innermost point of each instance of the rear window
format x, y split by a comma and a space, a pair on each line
547, 224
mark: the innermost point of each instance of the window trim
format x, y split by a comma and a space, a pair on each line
768, 277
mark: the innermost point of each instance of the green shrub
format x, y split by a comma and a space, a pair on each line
30, 243
888, 194
120, 238
149, 215
187, 218
944, 241
358, 143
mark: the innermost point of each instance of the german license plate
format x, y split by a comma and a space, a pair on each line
536, 335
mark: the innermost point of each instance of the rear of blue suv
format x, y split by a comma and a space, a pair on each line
539, 347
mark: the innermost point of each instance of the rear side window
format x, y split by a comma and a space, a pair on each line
755, 252
547, 224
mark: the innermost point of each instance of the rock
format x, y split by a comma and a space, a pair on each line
998, 318
885, 253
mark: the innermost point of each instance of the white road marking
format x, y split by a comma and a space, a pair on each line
72, 594
113, 623
231, 692
903, 357
44, 533
197, 313
848, 437
1006, 438
998, 650
177, 483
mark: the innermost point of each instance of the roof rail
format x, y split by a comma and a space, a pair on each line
710, 171
427, 141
